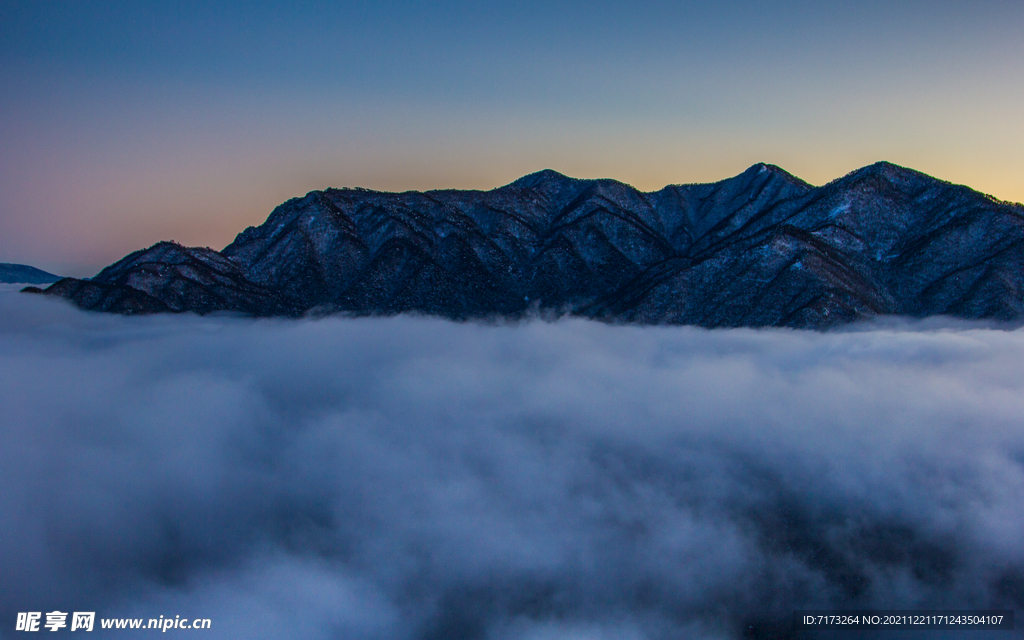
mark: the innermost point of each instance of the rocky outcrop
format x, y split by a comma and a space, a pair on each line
761, 249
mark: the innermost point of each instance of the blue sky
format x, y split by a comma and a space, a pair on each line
129, 123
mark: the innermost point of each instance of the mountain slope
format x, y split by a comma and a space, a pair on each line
762, 248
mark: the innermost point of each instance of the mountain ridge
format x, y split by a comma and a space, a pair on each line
762, 248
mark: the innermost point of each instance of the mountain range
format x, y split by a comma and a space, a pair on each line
763, 248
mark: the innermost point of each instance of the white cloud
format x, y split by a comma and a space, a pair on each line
416, 478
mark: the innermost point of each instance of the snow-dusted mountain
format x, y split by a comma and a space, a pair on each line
763, 248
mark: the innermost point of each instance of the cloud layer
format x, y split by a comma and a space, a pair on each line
413, 478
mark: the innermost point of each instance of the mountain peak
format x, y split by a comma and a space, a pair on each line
775, 171
541, 178
888, 171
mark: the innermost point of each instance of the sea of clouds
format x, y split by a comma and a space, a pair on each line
413, 478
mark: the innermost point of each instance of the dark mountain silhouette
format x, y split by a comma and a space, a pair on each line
23, 273
763, 248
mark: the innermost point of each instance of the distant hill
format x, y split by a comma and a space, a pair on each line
24, 273
763, 248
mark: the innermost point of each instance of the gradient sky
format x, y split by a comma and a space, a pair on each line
126, 123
